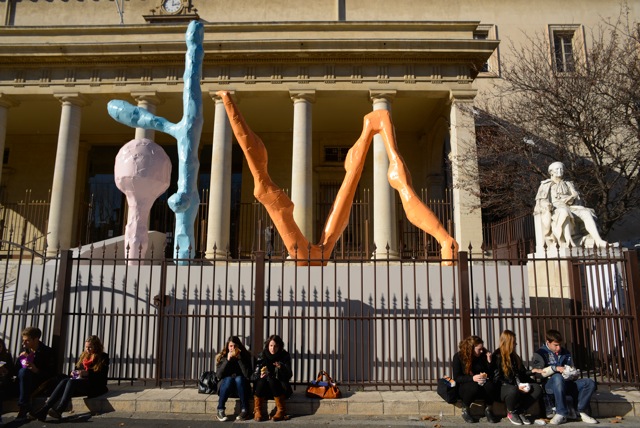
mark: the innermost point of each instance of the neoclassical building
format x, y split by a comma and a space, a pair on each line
304, 73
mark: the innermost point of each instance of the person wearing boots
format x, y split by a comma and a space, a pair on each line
517, 389
271, 378
473, 376
233, 368
88, 379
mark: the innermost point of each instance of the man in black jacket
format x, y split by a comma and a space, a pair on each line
36, 364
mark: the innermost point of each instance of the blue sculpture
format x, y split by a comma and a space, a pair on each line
184, 203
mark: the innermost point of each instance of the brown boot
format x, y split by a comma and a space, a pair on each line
280, 412
257, 408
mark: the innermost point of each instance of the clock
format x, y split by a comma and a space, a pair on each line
172, 6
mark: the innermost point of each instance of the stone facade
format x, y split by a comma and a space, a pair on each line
339, 57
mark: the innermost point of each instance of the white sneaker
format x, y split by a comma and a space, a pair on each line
557, 420
587, 419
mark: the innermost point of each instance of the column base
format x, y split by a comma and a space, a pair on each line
216, 255
384, 254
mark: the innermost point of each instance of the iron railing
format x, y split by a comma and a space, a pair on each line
370, 323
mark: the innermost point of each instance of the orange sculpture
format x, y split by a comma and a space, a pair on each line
280, 207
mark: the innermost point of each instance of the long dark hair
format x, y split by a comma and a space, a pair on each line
466, 351
275, 338
225, 350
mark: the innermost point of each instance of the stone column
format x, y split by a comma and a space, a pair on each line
384, 196
5, 104
302, 162
63, 189
467, 215
218, 220
148, 101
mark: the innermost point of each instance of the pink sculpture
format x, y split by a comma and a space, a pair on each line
142, 172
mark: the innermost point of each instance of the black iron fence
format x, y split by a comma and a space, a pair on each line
370, 323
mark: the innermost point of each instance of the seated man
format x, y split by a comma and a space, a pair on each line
36, 364
553, 363
558, 203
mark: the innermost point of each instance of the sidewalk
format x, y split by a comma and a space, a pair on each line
144, 399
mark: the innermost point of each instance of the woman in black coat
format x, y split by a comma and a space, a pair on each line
233, 368
271, 378
517, 389
472, 373
88, 379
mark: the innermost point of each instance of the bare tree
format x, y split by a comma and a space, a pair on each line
587, 117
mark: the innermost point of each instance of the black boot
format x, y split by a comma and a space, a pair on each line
40, 415
466, 415
491, 418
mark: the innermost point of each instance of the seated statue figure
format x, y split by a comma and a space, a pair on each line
558, 205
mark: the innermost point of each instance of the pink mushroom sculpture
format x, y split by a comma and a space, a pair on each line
142, 172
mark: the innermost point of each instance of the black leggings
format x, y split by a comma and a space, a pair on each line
472, 391
268, 387
518, 401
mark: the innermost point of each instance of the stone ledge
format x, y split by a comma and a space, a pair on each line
356, 403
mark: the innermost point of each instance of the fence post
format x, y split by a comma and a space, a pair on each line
633, 282
60, 329
464, 293
160, 326
258, 302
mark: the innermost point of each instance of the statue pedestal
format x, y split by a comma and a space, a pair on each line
564, 282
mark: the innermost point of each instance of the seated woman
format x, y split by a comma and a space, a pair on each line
472, 374
271, 378
88, 379
517, 389
233, 368
6, 370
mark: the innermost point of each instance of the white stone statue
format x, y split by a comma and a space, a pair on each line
563, 220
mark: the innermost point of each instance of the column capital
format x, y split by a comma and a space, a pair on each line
74, 98
303, 95
148, 96
462, 95
215, 97
382, 94
8, 101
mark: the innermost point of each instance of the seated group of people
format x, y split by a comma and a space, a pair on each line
501, 375
270, 375
36, 366
235, 369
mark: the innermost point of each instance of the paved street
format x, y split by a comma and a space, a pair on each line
137, 420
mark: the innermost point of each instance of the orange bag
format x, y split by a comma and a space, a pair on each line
323, 389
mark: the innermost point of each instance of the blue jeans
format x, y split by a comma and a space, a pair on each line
65, 390
580, 390
26, 385
230, 384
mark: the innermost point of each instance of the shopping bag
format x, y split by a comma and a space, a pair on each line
320, 388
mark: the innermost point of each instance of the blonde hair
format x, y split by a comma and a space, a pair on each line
507, 346
98, 350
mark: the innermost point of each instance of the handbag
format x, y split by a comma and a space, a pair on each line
208, 383
448, 390
320, 388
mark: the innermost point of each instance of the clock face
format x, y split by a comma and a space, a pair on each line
172, 6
